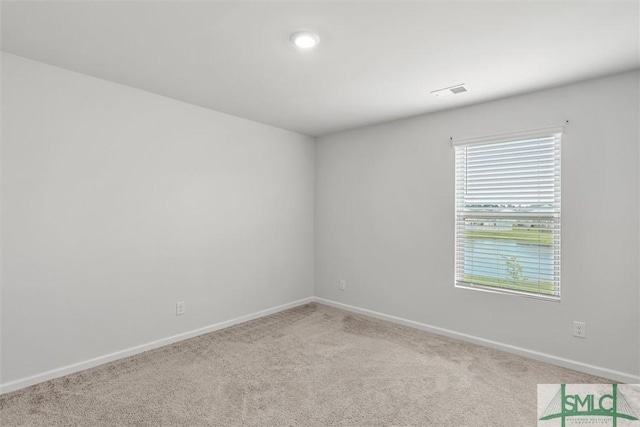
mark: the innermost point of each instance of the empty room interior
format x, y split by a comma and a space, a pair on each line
312, 213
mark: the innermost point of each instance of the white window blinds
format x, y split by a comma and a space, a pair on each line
508, 214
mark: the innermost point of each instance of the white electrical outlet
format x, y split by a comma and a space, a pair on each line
579, 329
343, 285
180, 308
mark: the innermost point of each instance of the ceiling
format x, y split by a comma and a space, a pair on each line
376, 61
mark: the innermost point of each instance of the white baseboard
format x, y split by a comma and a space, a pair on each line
567, 363
76, 367
531, 354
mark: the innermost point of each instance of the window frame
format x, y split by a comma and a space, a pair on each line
555, 216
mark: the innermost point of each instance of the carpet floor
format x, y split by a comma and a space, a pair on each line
312, 365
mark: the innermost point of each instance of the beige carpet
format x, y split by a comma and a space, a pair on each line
309, 366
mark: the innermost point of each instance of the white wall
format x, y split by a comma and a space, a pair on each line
117, 203
385, 223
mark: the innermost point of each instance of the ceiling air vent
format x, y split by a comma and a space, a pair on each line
452, 90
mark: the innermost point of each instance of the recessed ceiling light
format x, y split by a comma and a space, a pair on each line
305, 39
452, 90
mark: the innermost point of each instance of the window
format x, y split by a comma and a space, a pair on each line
508, 214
